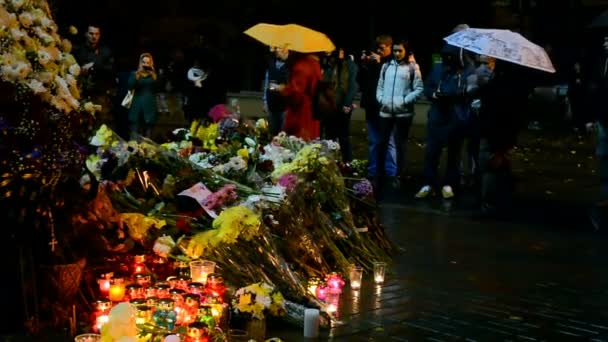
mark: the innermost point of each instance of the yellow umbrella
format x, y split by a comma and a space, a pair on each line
292, 36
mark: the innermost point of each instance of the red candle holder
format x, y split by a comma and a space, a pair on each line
162, 290
139, 264
105, 281
215, 287
135, 291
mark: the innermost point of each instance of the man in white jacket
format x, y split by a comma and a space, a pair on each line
399, 87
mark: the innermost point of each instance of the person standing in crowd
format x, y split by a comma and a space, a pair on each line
304, 76
97, 72
446, 87
399, 87
503, 100
341, 74
145, 85
368, 75
578, 99
598, 78
274, 103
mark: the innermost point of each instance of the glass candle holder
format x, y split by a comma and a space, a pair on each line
200, 269
87, 338
105, 281
356, 275
379, 272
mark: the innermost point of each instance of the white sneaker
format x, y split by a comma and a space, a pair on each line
447, 192
424, 192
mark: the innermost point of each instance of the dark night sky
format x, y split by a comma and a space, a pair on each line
131, 26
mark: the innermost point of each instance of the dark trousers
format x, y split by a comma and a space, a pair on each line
438, 139
496, 179
401, 127
276, 120
337, 128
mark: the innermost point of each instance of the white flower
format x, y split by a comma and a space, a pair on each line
163, 246
36, 86
74, 69
261, 124
236, 164
264, 300
17, 4
332, 145
17, 34
26, 19
92, 108
43, 57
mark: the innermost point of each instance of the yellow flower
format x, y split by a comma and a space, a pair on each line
243, 153
73, 30
244, 300
139, 224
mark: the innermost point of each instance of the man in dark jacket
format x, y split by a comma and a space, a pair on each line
503, 100
341, 73
598, 79
97, 71
274, 104
368, 76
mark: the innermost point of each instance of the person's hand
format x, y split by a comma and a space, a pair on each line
87, 67
375, 57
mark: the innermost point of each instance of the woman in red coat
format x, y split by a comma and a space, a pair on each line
304, 75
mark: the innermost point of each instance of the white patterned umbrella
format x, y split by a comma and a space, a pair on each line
504, 45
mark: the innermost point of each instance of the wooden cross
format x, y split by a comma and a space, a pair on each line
53, 243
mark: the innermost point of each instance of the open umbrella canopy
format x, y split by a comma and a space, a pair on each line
291, 36
504, 45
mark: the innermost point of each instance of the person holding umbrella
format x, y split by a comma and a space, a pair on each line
304, 73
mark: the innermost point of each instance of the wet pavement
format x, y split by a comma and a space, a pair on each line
540, 275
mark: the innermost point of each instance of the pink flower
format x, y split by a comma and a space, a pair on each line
218, 112
288, 181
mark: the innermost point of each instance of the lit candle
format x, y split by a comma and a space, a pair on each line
311, 323
139, 265
117, 292
356, 274
379, 271
104, 283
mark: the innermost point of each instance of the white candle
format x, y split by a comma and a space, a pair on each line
311, 323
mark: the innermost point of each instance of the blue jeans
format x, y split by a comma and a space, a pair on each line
276, 121
373, 139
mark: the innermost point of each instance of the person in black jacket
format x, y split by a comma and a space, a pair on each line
503, 101
274, 103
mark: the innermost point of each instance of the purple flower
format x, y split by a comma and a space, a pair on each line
363, 188
288, 181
